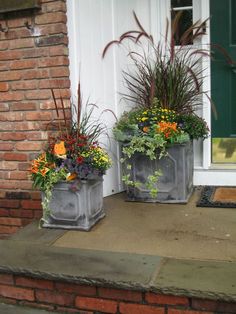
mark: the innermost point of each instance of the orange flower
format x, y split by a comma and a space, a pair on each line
71, 177
44, 171
145, 129
59, 148
166, 128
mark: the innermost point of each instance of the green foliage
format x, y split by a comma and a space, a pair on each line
194, 125
49, 183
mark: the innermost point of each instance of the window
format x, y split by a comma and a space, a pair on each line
182, 13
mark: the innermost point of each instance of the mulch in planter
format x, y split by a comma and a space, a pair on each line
218, 196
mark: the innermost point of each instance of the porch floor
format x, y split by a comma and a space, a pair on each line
172, 249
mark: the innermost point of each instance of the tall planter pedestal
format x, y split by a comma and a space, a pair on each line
175, 185
79, 209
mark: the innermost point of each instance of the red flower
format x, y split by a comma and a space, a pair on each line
80, 159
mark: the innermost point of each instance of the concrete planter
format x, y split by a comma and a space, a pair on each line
79, 209
175, 185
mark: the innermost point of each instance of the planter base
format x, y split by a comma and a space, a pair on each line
80, 209
175, 185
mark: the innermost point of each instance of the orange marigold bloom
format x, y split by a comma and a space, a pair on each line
166, 128
59, 148
145, 129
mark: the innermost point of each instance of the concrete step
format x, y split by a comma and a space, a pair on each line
18, 309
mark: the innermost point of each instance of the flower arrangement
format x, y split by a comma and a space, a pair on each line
165, 86
72, 154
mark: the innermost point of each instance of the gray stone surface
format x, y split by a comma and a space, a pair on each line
76, 265
206, 279
33, 233
12, 309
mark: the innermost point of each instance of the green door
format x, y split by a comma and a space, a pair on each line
223, 80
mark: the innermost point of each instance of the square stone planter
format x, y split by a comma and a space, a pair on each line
79, 209
175, 185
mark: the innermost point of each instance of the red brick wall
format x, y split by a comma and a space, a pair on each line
71, 298
31, 63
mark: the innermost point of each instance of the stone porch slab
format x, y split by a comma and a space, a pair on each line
201, 279
12, 309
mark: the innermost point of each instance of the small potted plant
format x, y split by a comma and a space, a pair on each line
164, 84
70, 172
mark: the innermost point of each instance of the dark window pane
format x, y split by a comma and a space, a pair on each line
181, 3
185, 21
233, 22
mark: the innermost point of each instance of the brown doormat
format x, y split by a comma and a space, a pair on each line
218, 196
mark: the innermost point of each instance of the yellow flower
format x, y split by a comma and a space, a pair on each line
144, 119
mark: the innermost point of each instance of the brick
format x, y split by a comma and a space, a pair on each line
38, 94
58, 51
6, 146
31, 116
8, 230
23, 64
77, 289
16, 293
10, 76
4, 87
115, 294
24, 166
173, 311
22, 213
12, 136
62, 83
9, 203
23, 105
47, 18
15, 22
37, 214
10, 55
52, 62
128, 308
52, 297
28, 146
48, 104
21, 43
12, 96
35, 195
54, 6
24, 85
62, 93
31, 204
4, 212
18, 33
33, 283
4, 107
14, 116
37, 136
7, 221
15, 156
59, 72
166, 299
8, 165
18, 175
104, 306
51, 29
35, 53
51, 40
4, 45
215, 306
35, 74
6, 279
27, 126
18, 195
